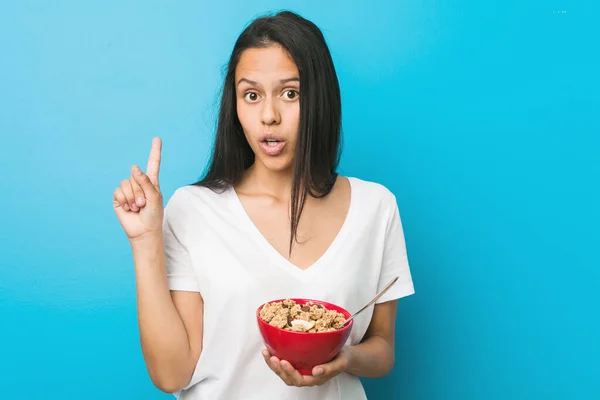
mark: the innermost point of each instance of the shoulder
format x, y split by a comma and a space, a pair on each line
190, 193
188, 197
374, 202
379, 204
373, 193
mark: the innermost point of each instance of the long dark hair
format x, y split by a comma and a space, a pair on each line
318, 147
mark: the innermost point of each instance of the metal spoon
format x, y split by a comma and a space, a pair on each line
385, 289
307, 325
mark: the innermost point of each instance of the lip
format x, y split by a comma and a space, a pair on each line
272, 150
271, 136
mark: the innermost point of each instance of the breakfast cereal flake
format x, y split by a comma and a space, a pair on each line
317, 317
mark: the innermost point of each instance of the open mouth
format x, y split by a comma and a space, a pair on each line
272, 142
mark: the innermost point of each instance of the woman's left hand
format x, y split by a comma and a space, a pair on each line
320, 373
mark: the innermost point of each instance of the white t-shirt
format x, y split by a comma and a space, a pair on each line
212, 246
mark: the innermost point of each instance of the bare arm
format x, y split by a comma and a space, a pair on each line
374, 356
170, 323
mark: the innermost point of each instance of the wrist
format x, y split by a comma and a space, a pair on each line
147, 240
347, 353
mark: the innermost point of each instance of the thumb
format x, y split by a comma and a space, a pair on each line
332, 368
150, 191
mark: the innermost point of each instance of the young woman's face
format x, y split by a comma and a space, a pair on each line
268, 104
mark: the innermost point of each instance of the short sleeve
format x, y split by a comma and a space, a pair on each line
180, 271
395, 260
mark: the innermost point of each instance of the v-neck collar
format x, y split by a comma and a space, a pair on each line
280, 260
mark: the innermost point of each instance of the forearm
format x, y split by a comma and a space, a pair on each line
372, 358
163, 337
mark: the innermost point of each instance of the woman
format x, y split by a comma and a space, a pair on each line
270, 219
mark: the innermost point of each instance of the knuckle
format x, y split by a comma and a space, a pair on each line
137, 190
141, 178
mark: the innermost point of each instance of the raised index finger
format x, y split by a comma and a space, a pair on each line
154, 161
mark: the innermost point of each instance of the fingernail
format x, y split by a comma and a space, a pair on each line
136, 169
134, 207
126, 207
318, 371
140, 201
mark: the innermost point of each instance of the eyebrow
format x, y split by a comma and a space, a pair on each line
282, 81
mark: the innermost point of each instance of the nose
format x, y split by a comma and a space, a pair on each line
269, 114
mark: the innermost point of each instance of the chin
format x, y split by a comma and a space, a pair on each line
277, 165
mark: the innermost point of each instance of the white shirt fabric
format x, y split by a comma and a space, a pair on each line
213, 247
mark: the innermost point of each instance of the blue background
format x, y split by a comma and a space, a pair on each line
482, 118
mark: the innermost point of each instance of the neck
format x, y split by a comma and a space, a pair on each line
277, 184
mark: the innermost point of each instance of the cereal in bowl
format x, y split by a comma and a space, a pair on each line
310, 317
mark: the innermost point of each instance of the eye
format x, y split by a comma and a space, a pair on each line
291, 94
251, 96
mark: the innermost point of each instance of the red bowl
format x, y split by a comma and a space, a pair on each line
304, 350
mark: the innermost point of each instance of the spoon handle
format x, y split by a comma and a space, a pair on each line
385, 289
